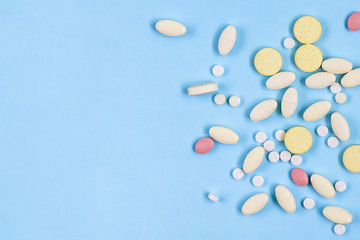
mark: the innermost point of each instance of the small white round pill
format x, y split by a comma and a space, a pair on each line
238, 173
296, 160
273, 156
340, 98
339, 229
257, 181
269, 145
289, 43
322, 131
279, 135
260, 137
234, 101
219, 99
335, 87
213, 197
340, 186
285, 156
218, 70
332, 142
308, 203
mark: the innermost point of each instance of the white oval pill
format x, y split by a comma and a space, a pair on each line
238, 173
269, 145
219, 99
332, 142
253, 159
340, 98
227, 40
322, 185
340, 126
340, 186
260, 137
257, 181
218, 70
255, 203
296, 160
263, 110
285, 156
203, 88
351, 79
320, 80
339, 229
289, 43
273, 156
337, 65
322, 131
335, 87
234, 101
317, 111
280, 80
285, 198
170, 28
280, 135
213, 197
337, 215
223, 135
308, 203
289, 102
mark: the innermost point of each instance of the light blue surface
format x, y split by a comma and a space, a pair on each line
97, 131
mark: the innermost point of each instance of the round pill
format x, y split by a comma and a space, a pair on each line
332, 142
273, 156
204, 145
335, 87
213, 197
234, 101
351, 158
322, 131
340, 98
339, 229
307, 29
289, 43
308, 203
219, 99
279, 135
340, 186
260, 137
238, 173
299, 177
269, 145
308, 58
257, 181
218, 70
268, 61
298, 140
285, 156
296, 160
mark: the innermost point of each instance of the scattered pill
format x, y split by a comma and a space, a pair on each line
213, 197
320, 80
203, 88
308, 58
170, 28
273, 156
337, 65
279, 135
354, 21
285, 198
280, 80
322, 131
238, 173
307, 29
340, 98
257, 181
298, 140
337, 215
351, 79
296, 160
218, 70
219, 99
234, 101
339, 229
204, 145
335, 87
255, 203
340, 186
322, 185
263, 110
299, 177
285, 156
308, 203
351, 158
333, 142
227, 40
260, 137
289, 102
268, 61
289, 43
317, 111
253, 159
269, 145
223, 135
340, 126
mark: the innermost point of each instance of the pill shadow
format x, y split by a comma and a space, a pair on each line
347, 19
252, 57
340, 155
240, 36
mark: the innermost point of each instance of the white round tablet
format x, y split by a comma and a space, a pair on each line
296, 160
273, 156
269, 145
340, 98
289, 43
285, 156
257, 181
260, 137
234, 101
332, 142
322, 131
218, 70
238, 173
335, 87
308, 203
279, 135
340, 186
213, 197
219, 99
339, 229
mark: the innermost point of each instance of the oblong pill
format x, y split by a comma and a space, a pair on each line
351, 158
280, 80
255, 203
320, 80
170, 28
337, 215
351, 79
223, 135
289, 102
204, 145
317, 111
253, 159
227, 40
299, 177
337, 65
203, 88
340, 126
263, 110
285, 198
322, 185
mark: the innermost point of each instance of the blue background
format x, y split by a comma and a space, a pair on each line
97, 132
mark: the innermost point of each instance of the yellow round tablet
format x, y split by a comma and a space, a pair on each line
298, 140
351, 158
268, 61
307, 29
308, 58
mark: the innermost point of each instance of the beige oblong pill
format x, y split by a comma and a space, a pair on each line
253, 159
351, 79
203, 88
337, 215
320, 80
223, 135
170, 28
280, 80
227, 40
322, 185
285, 198
263, 110
317, 111
340, 126
289, 102
255, 203
337, 65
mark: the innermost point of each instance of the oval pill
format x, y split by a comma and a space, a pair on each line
316, 111
298, 140
322, 185
351, 158
351, 79
285, 198
289, 102
308, 58
320, 80
255, 203
227, 40
170, 28
223, 135
354, 21
340, 126
299, 177
337, 65
268, 61
263, 110
253, 159
203, 88
204, 145
280, 80
337, 215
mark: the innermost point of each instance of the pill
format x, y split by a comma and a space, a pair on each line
308, 58
204, 145
280, 80
320, 80
289, 102
296, 160
317, 111
273, 156
351, 79
351, 158
269, 145
337, 215
170, 28
337, 65
299, 177
354, 21
257, 181
307, 29
223, 135
340, 186
339, 229
260, 137
308, 203
234, 101
340, 98
322, 185
218, 70
203, 88
279, 135
268, 61
263, 110
227, 40
322, 131
238, 173
253, 159
285, 198
255, 203
285, 156
332, 142
289, 43
340, 126
213, 197
335, 87
219, 99
298, 140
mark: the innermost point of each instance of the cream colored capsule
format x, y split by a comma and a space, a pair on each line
280, 80
322, 185
227, 40
317, 111
337, 65
203, 88
285, 198
289, 102
340, 126
255, 203
263, 110
337, 215
223, 135
170, 28
320, 80
253, 159
351, 79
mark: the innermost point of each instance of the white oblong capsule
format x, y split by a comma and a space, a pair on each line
316, 111
337, 65
263, 110
351, 79
170, 28
322, 185
253, 159
255, 203
223, 135
289, 102
337, 215
320, 80
227, 40
280, 80
203, 88
285, 198
340, 126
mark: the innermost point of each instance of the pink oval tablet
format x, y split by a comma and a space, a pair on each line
354, 21
299, 177
204, 145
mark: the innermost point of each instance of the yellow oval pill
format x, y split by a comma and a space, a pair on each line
351, 158
268, 61
298, 140
308, 58
307, 29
